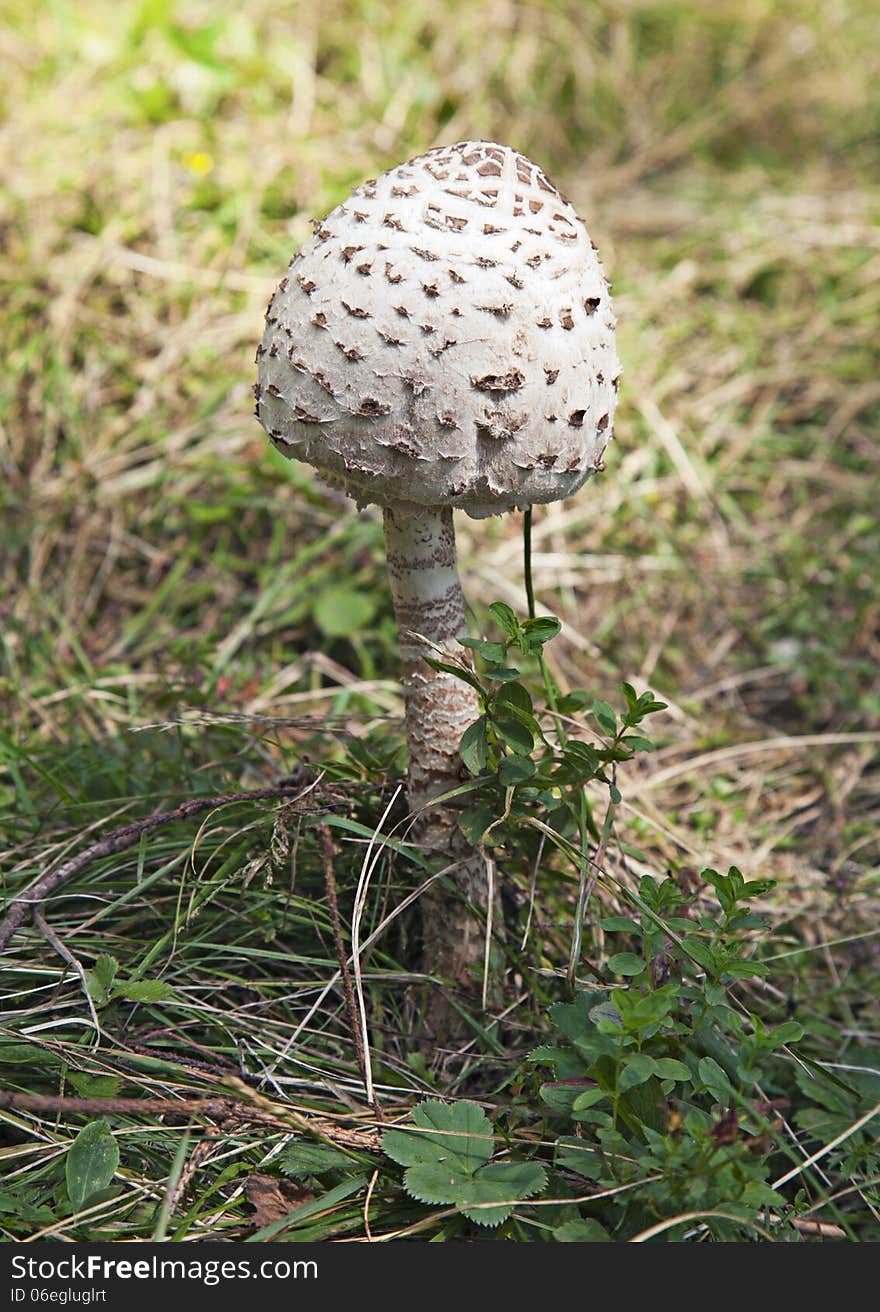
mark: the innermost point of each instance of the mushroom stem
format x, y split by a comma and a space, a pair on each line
428, 603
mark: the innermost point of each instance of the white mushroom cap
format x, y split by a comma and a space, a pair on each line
445, 338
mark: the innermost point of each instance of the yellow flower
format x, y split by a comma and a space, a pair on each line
199, 161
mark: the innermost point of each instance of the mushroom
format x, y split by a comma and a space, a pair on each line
445, 340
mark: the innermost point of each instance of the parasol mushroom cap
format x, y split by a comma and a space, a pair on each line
446, 338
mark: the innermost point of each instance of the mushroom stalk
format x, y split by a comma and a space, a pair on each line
428, 603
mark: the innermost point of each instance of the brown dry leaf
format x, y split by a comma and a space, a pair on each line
272, 1198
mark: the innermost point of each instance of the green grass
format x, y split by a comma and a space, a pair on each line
171, 588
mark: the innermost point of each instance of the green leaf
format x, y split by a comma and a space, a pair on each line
561, 1097
620, 924
577, 1155
303, 1158
742, 969
570, 702
490, 651
143, 990
589, 1098
458, 1134
700, 952
606, 1017
715, 1079
435, 1182
636, 743
515, 770
505, 618
636, 1069
457, 672
626, 963
515, 736
342, 609
746, 920
100, 978
501, 673
605, 717
474, 822
534, 633
514, 694
91, 1164
505, 1183
789, 1032
670, 1069
581, 1231
474, 746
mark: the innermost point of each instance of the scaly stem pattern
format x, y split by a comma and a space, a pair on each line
428, 603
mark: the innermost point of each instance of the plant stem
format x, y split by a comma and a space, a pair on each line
527, 562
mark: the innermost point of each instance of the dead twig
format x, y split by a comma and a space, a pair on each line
222, 1111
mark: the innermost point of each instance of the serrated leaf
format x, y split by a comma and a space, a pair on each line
99, 979
458, 1134
143, 990
91, 1163
581, 1231
505, 1183
435, 1182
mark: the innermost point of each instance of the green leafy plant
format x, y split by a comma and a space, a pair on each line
104, 986
447, 1158
526, 758
672, 1082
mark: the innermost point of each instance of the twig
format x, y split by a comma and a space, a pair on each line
118, 841
328, 851
224, 1111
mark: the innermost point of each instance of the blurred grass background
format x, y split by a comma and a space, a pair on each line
161, 565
